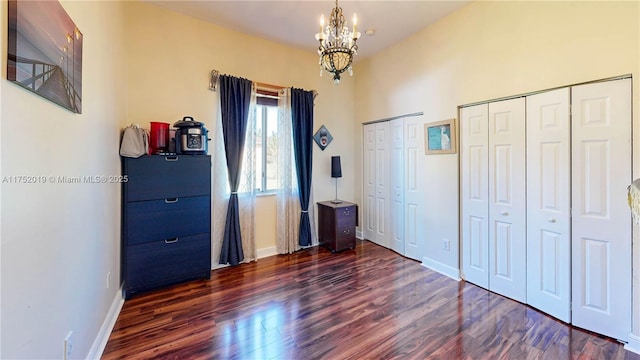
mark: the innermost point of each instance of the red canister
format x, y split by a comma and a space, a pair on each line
159, 137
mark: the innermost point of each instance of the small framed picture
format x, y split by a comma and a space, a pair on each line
323, 137
440, 137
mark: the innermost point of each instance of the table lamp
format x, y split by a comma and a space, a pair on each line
336, 172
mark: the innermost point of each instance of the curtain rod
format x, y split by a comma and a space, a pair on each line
215, 75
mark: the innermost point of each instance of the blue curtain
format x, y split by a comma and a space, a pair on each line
302, 121
235, 96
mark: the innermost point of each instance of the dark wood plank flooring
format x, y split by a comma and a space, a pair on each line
367, 303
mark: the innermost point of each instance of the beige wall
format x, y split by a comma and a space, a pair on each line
169, 58
59, 241
489, 50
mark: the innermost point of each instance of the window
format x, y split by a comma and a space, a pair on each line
266, 149
264, 172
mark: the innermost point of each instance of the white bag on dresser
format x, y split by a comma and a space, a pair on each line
135, 142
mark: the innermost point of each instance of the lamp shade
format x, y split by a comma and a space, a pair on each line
336, 169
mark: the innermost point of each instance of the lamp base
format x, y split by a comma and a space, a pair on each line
336, 201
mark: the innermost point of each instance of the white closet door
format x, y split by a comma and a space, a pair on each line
548, 201
507, 199
382, 235
475, 194
414, 228
369, 179
396, 184
601, 223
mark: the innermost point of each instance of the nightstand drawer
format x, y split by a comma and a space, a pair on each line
155, 220
346, 216
345, 231
164, 262
154, 177
345, 238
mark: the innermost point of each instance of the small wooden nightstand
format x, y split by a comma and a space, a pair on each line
337, 225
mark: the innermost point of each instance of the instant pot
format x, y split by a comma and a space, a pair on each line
191, 137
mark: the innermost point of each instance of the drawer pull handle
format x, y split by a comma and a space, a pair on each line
170, 158
346, 213
347, 231
171, 241
171, 200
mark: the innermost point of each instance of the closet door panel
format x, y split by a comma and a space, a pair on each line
507, 199
548, 202
414, 229
382, 221
475, 194
369, 216
601, 221
396, 182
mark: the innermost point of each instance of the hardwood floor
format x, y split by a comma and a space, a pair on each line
367, 303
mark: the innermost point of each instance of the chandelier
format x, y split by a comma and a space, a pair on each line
337, 44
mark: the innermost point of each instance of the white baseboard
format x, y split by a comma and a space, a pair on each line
260, 253
634, 344
218, 266
100, 342
265, 252
359, 235
443, 269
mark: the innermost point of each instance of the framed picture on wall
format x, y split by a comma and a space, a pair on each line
44, 52
440, 137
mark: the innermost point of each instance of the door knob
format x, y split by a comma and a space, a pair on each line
552, 220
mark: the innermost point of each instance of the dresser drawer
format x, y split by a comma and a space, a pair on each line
155, 220
159, 263
154, 177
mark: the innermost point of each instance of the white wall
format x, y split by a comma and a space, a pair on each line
488, 50
169, 58
59, 241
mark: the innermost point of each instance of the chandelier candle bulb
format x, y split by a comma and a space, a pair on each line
355, 22
321, 23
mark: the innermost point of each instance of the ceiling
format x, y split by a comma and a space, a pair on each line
295, 23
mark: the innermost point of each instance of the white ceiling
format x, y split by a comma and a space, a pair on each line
295, 23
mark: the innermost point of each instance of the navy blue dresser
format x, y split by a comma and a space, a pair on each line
166, 221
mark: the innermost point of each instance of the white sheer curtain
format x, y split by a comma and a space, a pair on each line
220, 188
288, 202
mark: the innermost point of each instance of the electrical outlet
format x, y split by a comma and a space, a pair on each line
108, 279
446, 244
68, 345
